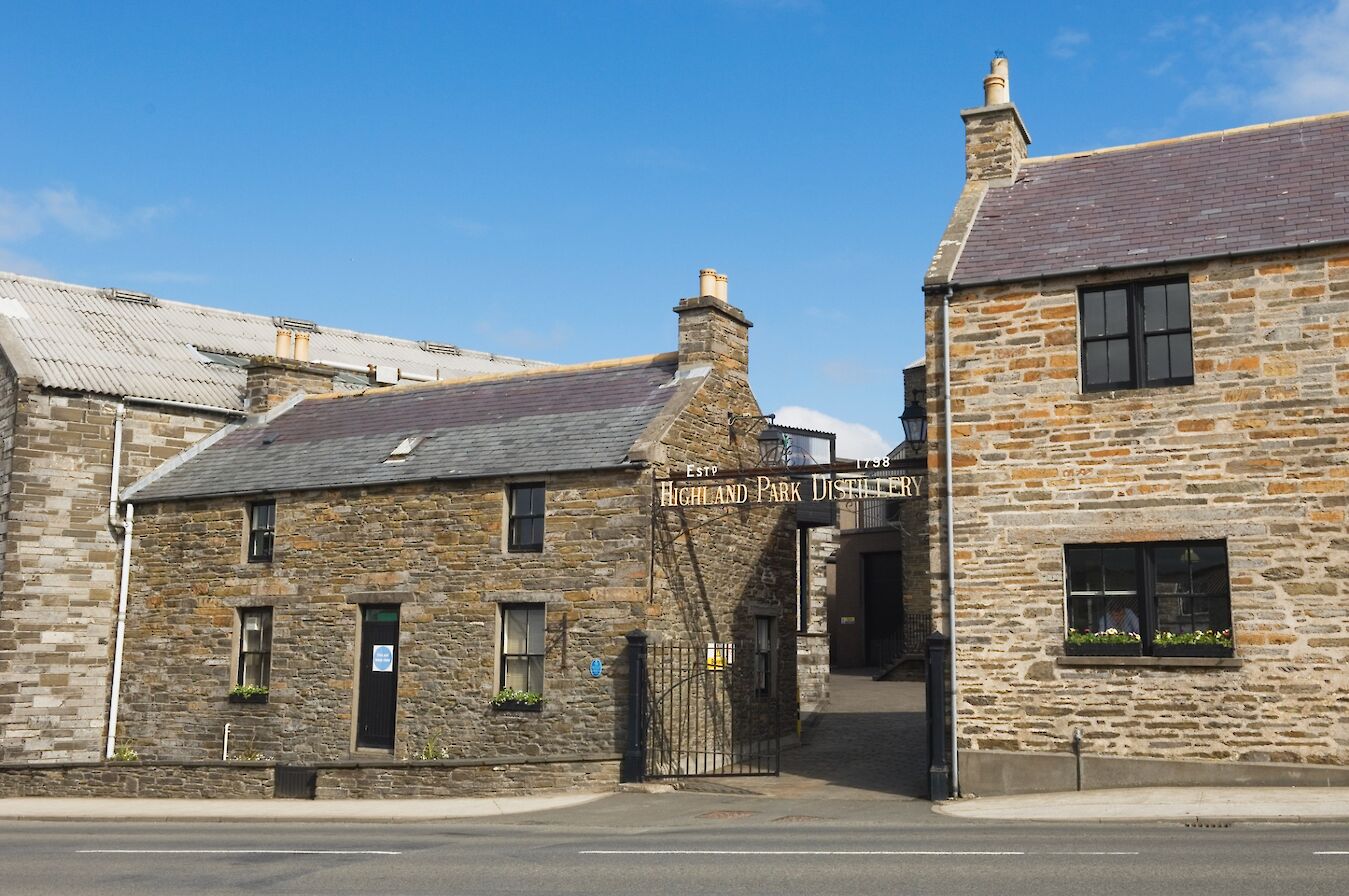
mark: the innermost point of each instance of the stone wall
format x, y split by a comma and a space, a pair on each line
9, 396
60, 573
494, 776
1253, 452
435, 549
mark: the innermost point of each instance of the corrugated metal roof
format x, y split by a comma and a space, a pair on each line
82, 338
585, 417
1247, 190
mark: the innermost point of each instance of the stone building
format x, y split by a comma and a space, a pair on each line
1149, 420
383, 563
99, 386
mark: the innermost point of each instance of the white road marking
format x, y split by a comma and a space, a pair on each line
835, 852
247, 852
1332, 852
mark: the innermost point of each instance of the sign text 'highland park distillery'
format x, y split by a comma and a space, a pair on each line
789, 490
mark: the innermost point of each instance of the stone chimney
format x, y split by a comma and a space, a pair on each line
995, 136
273, 379
711, 331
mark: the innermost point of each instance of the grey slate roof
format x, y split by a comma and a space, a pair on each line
568, 418
82, 338
1268, 187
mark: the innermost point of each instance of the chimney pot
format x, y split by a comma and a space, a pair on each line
302, 347
996, 91
721, 287
707, 282
284, 340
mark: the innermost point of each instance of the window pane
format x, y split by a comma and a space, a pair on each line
1159, 355
1082, 613
1120, 613
1172, 570
534, 531
252, 668
1178, 306
1096, 368
536, 618
519, 501
1208, 568
516, 630
1084, 570
1154, 308
1116, 312
1171, 615
1121, 366
536, 501
515, 673
1093, 314
1181, 356
1119, 569
535, 672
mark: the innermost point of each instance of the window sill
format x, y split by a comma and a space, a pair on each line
1157, 662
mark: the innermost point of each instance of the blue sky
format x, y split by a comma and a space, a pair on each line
546, 179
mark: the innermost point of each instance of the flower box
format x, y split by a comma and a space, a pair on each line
517, 706
248, 698
1090, 649
1217, 650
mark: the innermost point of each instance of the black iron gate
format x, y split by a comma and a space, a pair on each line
712, 710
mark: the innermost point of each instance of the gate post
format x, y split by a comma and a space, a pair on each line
938, 768
634, 757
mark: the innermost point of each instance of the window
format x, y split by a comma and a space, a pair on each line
255, 647
1136, 335
526, 517
1173, 587
261, 531
522, 647
764, 654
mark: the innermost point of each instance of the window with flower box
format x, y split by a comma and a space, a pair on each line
1154, 599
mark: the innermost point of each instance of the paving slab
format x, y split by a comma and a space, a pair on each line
1191, 804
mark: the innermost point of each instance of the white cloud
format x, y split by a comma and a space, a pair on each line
1067, 42
23, 217
854, 439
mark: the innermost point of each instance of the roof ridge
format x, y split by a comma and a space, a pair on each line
1187, 138
607, 364
249, 315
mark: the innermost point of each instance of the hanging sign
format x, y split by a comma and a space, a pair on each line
381, 658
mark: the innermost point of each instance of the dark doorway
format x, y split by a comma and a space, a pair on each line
883, 607
379, 677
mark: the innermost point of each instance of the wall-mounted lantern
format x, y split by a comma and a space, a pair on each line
914, 420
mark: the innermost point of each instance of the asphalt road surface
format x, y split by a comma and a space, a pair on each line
677, 844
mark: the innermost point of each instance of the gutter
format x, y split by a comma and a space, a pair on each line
950, 534
1133, 266
184, 406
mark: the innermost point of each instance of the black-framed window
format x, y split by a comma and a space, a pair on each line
1136, 334
526, 517
522, 635
261, 531
1177, 587
255, 647
765, 654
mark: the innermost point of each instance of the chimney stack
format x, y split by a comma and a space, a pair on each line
713, 333
995, 137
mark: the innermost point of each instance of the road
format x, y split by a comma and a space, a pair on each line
681, 843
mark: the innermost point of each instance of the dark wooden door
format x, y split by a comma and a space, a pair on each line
378, 684
883, 607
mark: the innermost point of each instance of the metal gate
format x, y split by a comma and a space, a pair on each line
712, 710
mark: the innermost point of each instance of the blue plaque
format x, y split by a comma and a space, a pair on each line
596, 667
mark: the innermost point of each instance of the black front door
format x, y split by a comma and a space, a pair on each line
379, 677
883, 607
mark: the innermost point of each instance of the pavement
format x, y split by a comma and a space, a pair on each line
862, 757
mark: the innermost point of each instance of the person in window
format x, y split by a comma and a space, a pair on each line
1120, 618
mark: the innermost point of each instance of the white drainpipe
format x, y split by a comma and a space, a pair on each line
119, 415
121, 631
950, 536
